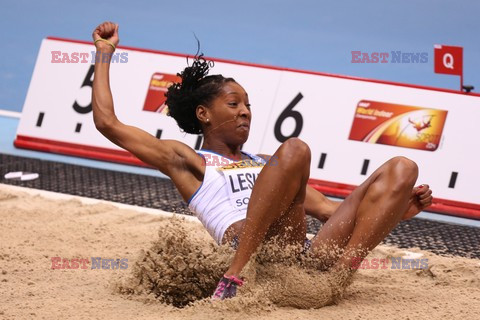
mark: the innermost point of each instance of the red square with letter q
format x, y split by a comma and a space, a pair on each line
448, 59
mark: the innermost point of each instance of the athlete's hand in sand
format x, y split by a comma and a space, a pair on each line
107, 31
421, 198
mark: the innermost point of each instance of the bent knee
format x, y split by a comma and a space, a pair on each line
296, 150
405, 171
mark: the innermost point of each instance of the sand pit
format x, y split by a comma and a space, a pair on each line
180, 259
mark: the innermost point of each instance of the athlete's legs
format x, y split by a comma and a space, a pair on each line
367, 215
276, 203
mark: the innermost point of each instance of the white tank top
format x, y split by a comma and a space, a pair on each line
222, 198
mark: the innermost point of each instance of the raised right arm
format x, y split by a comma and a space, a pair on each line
171, 157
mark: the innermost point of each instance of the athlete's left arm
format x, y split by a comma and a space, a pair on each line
420, 199
319, 206
316, 204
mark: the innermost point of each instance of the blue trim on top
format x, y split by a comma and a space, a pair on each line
247, 154
255, 157
195, 193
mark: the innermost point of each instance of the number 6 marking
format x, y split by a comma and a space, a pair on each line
287, 113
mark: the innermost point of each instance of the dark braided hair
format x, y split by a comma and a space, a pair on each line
196, 88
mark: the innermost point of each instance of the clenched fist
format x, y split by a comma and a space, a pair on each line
107, 31
420, 199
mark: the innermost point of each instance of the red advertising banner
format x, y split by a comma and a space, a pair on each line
158, 86
448, 59
398, 125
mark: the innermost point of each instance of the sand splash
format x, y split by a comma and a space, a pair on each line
182, 268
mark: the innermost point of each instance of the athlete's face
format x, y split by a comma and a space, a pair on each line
229, 114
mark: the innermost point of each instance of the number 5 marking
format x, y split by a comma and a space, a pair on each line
86, 83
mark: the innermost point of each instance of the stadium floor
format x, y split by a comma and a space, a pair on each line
159, 193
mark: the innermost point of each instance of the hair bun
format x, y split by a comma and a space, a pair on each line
196, 88
194, 74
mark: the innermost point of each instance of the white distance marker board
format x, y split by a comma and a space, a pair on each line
351, 125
